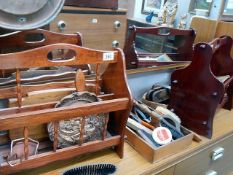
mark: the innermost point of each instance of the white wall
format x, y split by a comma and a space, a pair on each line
215, 10
138, 9
142, 82
129, 5
183, 8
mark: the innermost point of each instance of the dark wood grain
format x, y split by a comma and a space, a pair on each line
222, 64
196, 93
106, 4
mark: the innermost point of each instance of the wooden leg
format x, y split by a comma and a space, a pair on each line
120, 148
121, 130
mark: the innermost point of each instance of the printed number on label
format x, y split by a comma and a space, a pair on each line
108, 56
94, 21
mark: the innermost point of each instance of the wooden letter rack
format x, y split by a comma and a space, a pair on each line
196, 92
181, 52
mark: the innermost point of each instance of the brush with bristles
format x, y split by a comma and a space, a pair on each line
97, 169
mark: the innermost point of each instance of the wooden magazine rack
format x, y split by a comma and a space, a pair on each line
30, 39
183, 50
116, 101
196, 92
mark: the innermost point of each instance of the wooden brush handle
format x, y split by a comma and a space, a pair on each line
147, 125
136, 126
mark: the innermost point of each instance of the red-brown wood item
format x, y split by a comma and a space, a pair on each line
195, 91
30, 39
117, 100
113, 4
222, 64
183, 49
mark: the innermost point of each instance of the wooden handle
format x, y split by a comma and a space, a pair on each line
147, 125
136, 126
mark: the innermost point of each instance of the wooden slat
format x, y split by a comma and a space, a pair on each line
80, 81
26, 149
16, 110
48, 115
48, 157
49, 105
53, 85
18, 87
11, 92
202, 26
156, 68
104, 133
55, 137
106, 96
156, 63
97, 79
101, 10
82, 130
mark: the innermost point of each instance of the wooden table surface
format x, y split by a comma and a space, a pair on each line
135, 164
157, 68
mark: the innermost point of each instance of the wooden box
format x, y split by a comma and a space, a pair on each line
113, 4
152, 104
154, 155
